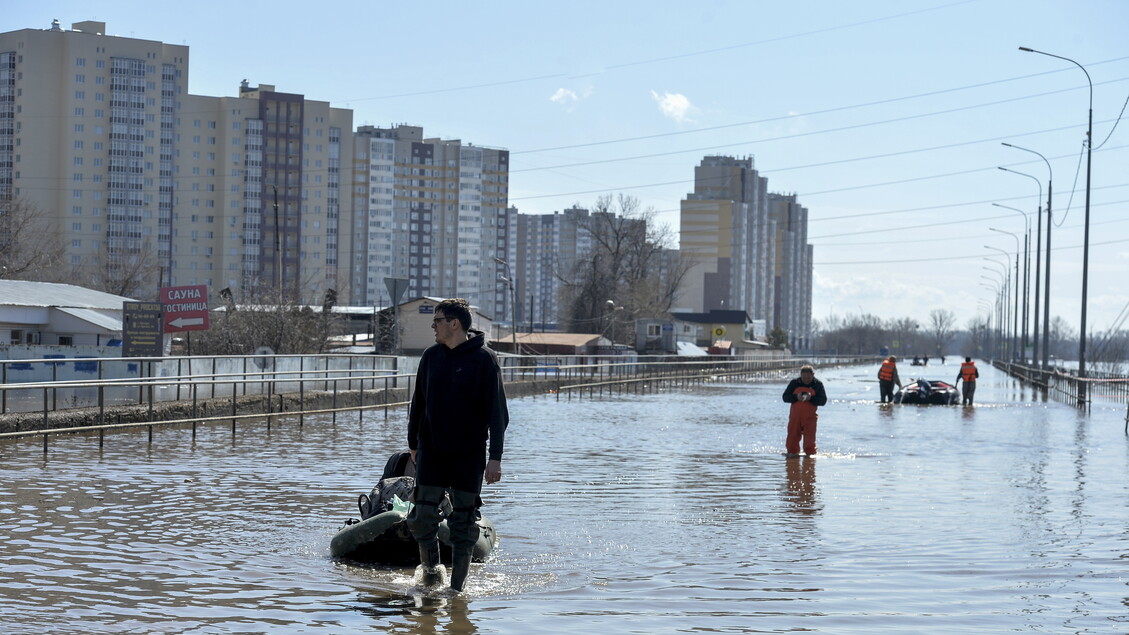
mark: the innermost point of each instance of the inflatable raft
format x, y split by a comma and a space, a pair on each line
928, 392
385, 539
382, 536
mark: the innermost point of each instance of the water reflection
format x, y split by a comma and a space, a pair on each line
801, 491
419, 613
666, 512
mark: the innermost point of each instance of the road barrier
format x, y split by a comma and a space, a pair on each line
262, 388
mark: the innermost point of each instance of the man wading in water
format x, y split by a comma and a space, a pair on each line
459, 403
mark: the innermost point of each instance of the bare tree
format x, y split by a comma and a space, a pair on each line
27, 249
903, 335
977, 328
268, 319
123, 271
631, 272
941, 323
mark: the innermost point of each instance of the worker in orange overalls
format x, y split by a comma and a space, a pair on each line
887, 377
806, 394
968, 373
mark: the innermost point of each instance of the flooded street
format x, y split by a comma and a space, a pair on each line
655, 513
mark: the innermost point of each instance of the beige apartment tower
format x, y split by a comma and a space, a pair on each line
748, 248
143, 185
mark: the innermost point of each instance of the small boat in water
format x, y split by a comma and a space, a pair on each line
381, 536
928, 392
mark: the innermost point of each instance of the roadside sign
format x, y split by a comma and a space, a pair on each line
185, 308
396, 288
141, 329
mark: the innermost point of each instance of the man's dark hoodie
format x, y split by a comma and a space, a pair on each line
459, 399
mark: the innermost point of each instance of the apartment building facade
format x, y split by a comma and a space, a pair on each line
87, 137
548, 247
434, 212
747, 247
263, 192
792, 286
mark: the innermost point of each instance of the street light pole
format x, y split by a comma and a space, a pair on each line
508, 279
1023, 316
1047, 280
1015, 316
1001, 314
1038, 249
1086, 233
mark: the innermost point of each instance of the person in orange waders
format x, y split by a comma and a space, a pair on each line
806, 394
969, 373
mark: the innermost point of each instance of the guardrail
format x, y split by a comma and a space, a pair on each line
318, 388
1066, 386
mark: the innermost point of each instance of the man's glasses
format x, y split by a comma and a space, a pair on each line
436, 321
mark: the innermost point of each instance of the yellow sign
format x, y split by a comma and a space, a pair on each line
719, 331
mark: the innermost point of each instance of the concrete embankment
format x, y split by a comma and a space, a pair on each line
251, 407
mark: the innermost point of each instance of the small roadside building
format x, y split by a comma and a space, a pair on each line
54, 314
706, 330
555, 344
414, 330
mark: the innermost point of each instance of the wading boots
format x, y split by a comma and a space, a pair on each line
460, 568
431, 569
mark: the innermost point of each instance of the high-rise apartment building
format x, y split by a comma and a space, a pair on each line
747, 247
146, 185
88, 138
791, 306
723, 234
548, 247
434, 212
259, 201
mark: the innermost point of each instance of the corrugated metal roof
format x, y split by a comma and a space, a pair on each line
51, 294
566, 339
95, 317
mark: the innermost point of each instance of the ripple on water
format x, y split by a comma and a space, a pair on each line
668, 511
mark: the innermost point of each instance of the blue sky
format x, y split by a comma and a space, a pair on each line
886, 118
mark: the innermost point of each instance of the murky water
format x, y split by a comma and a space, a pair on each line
658, 513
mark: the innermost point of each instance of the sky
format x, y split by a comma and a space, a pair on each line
886, 118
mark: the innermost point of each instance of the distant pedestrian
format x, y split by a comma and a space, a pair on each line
887, 377
806, 394
969, 373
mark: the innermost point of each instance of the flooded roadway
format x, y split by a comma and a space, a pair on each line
655, 513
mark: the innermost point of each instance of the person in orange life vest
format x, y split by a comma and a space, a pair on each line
887, 377
968, 373
806, 394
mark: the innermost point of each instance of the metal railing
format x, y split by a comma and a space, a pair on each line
328, 385
1066, 386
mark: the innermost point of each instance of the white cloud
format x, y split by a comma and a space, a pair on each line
565, 97
674, 106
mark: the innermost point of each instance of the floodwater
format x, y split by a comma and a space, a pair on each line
668, 512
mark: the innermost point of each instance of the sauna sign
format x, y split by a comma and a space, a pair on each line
184, 308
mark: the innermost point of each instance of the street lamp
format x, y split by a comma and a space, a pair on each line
1001, 312
1000, 287
1038, 248
1047, 274
1015, 316
1023, 330
508, 279
1086, 233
